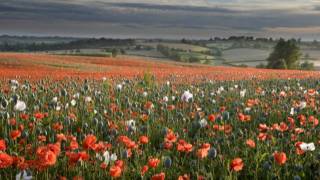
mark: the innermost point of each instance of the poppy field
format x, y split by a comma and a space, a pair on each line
146, 127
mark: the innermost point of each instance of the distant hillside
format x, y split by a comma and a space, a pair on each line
33, 39
31, 44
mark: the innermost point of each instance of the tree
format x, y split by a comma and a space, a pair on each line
115, 52
307, 66
286, 55
261, 66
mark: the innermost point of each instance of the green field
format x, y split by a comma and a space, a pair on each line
181, 46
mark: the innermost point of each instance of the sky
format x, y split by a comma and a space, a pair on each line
174, 19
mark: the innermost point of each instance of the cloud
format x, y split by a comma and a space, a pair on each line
164, 18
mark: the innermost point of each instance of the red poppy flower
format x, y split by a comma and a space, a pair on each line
103, 165
183, 146
153, 162
144, 170
167, 145
3, 146
202, 153
115, 171
184, 177
5, 160
299, 151
46, 156
251, 143
160, 176
89, 142
15, 134
170, 137
280, 157
39, 116
262, 136
143, 139
119, 163
236, 164
61, 137
212, 117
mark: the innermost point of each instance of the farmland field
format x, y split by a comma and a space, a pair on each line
185, 47
245, 54
70, 117
36, 66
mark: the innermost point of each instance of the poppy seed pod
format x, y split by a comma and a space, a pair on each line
296, 177
212, 153
167, 162
267, 166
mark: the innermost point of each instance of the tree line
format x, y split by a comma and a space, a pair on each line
77, 44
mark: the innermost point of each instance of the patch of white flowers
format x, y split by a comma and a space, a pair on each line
307, 146
186, 96
20, 106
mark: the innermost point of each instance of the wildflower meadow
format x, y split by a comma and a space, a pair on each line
143, 129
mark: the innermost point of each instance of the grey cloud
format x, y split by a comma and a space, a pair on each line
98, 18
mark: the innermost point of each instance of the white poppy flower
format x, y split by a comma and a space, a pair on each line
145, 94
106, 156
20, 106
243, 93
76, 96
113, 157
165, 99
247, 109
131, 124
104, 79
13, 88
88, 99
55, 99
14, 82
173, 98
203, 123
292, 111
307, 146
99, 157
302, 105
186, 96
23, 175
58, 108
168, 83
119, 87
73, 102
